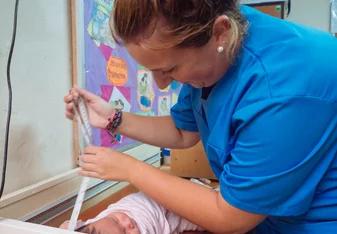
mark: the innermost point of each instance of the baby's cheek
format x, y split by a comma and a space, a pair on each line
135, 231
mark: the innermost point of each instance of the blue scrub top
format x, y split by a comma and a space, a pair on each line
269, 126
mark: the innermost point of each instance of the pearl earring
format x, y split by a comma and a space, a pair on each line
220, 48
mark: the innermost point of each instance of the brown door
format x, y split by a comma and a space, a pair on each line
191, 162
275, 10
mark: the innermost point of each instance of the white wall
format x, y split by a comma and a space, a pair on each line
314, 13
40, 136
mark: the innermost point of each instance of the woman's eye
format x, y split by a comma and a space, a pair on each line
169, 71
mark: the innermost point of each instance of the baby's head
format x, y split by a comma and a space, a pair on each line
114, 223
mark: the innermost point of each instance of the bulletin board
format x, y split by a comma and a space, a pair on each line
111, 73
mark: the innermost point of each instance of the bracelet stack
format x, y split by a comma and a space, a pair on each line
114, 123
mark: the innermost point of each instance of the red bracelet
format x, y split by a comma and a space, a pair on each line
113, 124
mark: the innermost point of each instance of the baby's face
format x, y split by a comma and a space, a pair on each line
116, 223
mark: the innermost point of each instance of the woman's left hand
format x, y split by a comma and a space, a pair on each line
107, 164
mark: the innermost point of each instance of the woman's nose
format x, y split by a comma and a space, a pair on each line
162, 81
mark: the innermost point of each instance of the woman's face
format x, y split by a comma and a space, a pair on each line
200, 67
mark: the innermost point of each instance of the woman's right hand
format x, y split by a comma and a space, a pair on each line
99, 110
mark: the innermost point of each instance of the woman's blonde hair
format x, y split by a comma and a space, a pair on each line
187, 23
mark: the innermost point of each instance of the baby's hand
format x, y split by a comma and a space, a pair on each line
66, 224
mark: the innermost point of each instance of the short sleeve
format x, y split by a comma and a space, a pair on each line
182, 112
282, 150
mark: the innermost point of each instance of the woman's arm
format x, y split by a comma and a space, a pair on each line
158, 131
198, 204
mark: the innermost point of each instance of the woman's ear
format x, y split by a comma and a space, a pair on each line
221, 28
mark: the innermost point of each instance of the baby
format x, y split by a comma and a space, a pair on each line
136, 214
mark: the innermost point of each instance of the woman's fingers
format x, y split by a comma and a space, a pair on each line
90, 167
70, 116
88, 158
85, 94
89, 174
70, 110
68, 98
70, 107
71, 96
92, 150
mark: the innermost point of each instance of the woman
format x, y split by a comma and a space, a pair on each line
261, 94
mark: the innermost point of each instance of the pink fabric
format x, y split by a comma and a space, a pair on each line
151, 218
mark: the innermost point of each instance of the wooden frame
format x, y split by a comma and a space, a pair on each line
76, 149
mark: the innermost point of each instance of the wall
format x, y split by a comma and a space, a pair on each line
314, 13
40, 136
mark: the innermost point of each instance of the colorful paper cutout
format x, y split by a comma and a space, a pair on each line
106, 51
140, 67
146, 113
165, 90
115, 96
106, 139
164, 105
95, 63
89, 30
117, 71
145, 91
174, 98
121, 99
107, 4
175, 85
101, 31
106, 91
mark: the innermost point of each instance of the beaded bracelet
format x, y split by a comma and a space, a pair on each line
113, 124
